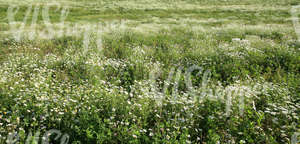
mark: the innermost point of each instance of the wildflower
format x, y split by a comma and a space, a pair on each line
157, 115
168, 137
151, 134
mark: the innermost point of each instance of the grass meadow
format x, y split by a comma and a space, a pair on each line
149, 71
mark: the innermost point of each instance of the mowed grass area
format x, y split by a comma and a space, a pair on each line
131, 83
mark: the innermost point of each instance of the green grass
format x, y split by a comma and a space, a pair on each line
124, 90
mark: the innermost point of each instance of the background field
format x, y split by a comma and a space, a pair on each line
118, 88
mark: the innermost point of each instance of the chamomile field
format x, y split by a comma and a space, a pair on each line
149, 71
